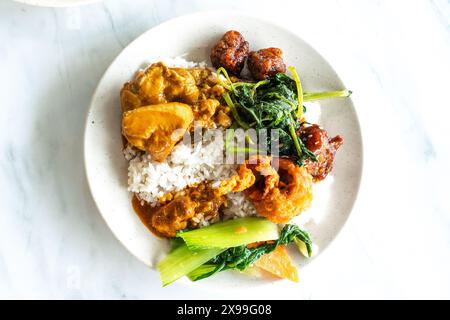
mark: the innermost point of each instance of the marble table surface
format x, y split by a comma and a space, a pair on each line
395, 55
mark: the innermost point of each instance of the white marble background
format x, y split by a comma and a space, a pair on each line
393, 54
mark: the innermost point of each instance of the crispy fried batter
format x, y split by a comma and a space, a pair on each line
243, 180
281, 196
267, 177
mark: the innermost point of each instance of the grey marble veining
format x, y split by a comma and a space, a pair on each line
394, 55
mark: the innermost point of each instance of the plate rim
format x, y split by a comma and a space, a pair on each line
55, 4
244, 15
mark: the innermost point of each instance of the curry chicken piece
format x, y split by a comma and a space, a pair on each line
157, 128
197, 202
196, 87
186, 208
204, 111
174, 216
159, 84
317, 140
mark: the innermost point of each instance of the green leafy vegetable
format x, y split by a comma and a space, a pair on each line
239, 258
269, 104
231, 233
181, 261
273, 104
201, 271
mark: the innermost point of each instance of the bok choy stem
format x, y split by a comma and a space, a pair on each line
182, 261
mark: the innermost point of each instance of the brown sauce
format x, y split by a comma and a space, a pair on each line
145, 213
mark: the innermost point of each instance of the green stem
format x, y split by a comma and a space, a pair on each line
223, 84
251, 112
237, 150
230, 103
294, 137
311, 96
299, 92
229, 135
258, 84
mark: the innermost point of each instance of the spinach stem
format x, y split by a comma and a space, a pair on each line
260, 83
299, 92
243, 150
229, 135
294, 137
311, 96
222, 83
230, 103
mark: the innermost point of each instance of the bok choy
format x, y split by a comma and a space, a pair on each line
240, 258
231, 233
234, 244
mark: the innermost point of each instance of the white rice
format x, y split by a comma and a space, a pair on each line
180, 62
238, 206
185, 166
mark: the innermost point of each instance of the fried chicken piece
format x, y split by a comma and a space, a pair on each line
266, 63
281, 196
243, 180
317, 140
267, 177
230, 52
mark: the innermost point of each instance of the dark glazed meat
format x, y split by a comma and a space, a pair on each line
265, 63
316, 139
230, 52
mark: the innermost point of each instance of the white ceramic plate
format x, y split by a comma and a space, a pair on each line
193, 36
56, 3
